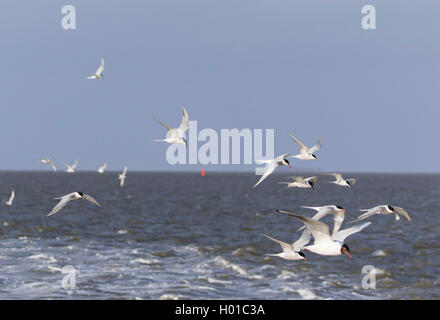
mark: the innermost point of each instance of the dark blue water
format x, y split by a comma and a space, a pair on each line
171, 236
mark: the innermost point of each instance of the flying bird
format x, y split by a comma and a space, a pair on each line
300, 182
306, 153
383, 209
292, 251
272, 164
11, 198
71, 196
341, 181
122, 176
176, 135
325, 244
102, 168
337, 211
98, 74
47, 160
72, 167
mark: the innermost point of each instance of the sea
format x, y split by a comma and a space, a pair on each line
173, 235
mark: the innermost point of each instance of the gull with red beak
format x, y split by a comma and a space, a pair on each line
325, 244
271, 165
383, 209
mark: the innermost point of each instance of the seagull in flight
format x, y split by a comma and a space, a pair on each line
325, 244
300, 182
11, 198
176, 135
122, 176
384, 209
292, 251
337, 211
102, 168
71, 196
72, 167
341, 181
306, 153
98, 74
272, 164
47, 160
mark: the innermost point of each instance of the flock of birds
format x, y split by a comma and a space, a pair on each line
325, 243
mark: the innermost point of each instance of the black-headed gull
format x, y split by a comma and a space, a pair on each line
325, 244
300, 182
383, 209
272, 164
11, 198
341, 181
176, 135
98, 74
306, 153
122, 176
69, 197
47, 160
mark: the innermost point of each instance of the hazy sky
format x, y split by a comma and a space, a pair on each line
304, 67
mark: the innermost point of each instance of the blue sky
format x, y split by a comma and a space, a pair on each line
304, 67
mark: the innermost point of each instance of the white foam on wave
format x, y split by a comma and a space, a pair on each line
169, 297
222, 262
123, 231
379, 253
43, 256
307, 294
285, 275
146, 261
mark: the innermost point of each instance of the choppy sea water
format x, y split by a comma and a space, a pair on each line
184, 236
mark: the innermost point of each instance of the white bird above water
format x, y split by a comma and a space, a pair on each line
300, 182
272, 164
69, 197
384, 209
292, 251
306, 153
47, 160
102, 168
71, 168
325, 244
98, 74
122, 176
341, 181
176, 135
11, 198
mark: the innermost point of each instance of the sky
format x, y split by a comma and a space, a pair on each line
300, 67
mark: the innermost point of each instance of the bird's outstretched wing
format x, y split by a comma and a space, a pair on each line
317, 146
343, 234
268, 171
403, 212
184, 124
60, 204
164, 124
100, 68
302, 146
319, 230
89, 198
285, 246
